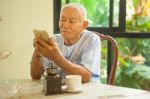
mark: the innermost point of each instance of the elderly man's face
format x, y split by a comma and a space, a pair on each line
71, 23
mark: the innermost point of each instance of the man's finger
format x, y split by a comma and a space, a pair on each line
52, 41
42, 43
34, 42
39, 47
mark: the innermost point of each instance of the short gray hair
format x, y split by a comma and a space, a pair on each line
78, 6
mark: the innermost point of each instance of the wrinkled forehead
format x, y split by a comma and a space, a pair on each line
71, 11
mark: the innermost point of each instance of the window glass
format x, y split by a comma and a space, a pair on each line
138, 16
116, 13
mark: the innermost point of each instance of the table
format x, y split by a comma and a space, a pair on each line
30, 89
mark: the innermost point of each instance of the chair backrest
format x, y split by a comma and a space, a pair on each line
111, 76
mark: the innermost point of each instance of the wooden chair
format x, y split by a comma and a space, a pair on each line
111, 76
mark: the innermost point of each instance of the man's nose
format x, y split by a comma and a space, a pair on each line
66, 24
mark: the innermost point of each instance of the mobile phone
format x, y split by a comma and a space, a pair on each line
41, 34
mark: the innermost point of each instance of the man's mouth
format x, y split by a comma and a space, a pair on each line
64, 30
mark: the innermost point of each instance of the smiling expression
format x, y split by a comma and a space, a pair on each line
71, 24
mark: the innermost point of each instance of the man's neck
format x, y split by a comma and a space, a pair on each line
72, 41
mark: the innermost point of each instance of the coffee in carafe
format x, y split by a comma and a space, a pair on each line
52, 81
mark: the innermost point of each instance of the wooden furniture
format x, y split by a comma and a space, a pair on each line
29, 89
113, 43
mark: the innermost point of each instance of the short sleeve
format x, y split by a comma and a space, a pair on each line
91, 58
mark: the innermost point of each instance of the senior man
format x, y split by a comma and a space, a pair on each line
75, 50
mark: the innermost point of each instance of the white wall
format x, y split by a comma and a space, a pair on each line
20, 18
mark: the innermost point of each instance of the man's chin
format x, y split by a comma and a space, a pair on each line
65, 36
65, 33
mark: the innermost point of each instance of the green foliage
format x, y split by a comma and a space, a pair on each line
135, 2
135, 76
136, 47
146, 51
103, 76
103, 67
139, 24
140, 19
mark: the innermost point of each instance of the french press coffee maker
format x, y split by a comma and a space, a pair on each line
52, 81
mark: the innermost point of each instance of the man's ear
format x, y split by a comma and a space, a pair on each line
85, 25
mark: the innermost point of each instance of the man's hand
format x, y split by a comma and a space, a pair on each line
36, 65
49, 50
